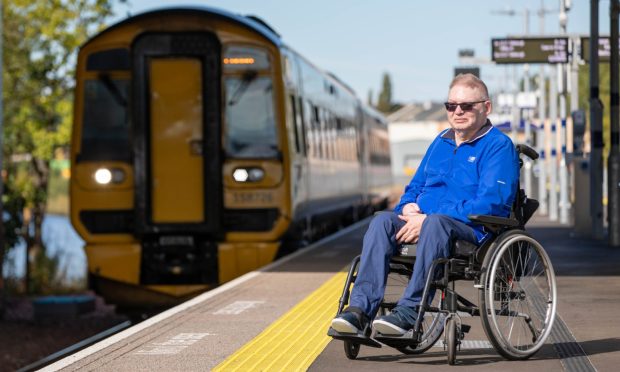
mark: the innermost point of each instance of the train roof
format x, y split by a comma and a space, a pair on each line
372, 112
252, 22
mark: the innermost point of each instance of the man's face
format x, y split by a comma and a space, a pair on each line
468, 120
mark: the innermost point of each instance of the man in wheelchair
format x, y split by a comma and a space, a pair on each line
470, 169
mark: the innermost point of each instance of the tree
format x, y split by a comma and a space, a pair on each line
384, 104
40, 41
369, 99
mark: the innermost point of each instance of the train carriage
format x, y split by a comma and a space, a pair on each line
203, 148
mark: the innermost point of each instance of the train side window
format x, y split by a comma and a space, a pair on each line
328, 135
332, 136
302, 126
322, 133
316, 130
294, 122
308, 134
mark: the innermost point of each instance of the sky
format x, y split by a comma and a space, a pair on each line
416, 42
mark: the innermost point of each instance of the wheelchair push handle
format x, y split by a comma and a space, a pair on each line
527, 151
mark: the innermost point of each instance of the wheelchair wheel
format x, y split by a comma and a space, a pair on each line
432, 328
351, 350
451, 340
433, 322
518, 303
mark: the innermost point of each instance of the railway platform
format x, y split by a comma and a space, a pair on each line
276, 319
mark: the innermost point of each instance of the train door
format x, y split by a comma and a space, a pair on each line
299, 161
177, 135
362, 142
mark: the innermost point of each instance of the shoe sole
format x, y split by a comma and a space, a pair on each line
388, 328
342, 326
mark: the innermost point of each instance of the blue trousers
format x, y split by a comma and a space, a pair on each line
436, 237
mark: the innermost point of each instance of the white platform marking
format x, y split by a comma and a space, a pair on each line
238, 307
470, 344
173, 345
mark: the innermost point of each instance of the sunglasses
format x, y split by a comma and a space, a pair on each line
465, 106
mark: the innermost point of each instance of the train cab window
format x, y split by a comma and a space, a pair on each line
250, 120
105, 129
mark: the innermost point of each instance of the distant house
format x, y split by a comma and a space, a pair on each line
411, 131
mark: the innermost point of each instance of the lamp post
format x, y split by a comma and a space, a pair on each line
2, 231
542, 117
564, 202
596, 129
613, 161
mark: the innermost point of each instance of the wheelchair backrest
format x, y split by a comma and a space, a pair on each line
523, 208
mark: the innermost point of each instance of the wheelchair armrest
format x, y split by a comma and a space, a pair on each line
493, 223
463, 248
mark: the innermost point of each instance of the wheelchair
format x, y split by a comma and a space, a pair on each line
511, 271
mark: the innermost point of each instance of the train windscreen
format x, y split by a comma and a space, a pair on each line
250, 126
105, 129
250, 123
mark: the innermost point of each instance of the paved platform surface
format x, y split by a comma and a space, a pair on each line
276, 319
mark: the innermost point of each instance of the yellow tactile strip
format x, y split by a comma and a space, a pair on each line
293, 341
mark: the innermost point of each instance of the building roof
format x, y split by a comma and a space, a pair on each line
416, 112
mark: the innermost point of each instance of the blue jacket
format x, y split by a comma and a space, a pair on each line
481, 176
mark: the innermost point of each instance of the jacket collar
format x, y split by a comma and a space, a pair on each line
449, 133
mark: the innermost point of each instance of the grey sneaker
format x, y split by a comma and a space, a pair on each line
351, 320
396, 323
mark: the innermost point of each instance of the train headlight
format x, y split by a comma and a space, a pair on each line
256, 174
248, 174
104, 176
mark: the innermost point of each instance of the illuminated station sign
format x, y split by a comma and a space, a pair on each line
530, 50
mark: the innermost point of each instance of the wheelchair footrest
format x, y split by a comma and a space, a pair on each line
408, 339
355, 338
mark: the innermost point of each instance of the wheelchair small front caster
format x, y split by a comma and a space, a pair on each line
452, 340
351, 349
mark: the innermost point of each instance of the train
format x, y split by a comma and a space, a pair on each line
204, 147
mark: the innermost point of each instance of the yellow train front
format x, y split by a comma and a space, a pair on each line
203, 147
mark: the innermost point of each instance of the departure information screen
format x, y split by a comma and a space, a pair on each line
604, 49
530, 50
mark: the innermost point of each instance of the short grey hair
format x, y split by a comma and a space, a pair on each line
471, 81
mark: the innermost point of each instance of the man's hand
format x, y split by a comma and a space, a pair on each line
410, 233
410, 209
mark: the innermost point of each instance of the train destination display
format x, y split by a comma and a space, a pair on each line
604, 49
530, 50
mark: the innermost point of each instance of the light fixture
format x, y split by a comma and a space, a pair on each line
254, 174
104, 176
240, 175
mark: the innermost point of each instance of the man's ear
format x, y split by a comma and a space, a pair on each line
489, 107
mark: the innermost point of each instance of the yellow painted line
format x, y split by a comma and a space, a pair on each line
295, 340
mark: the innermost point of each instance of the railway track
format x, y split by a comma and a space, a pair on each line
76, 347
